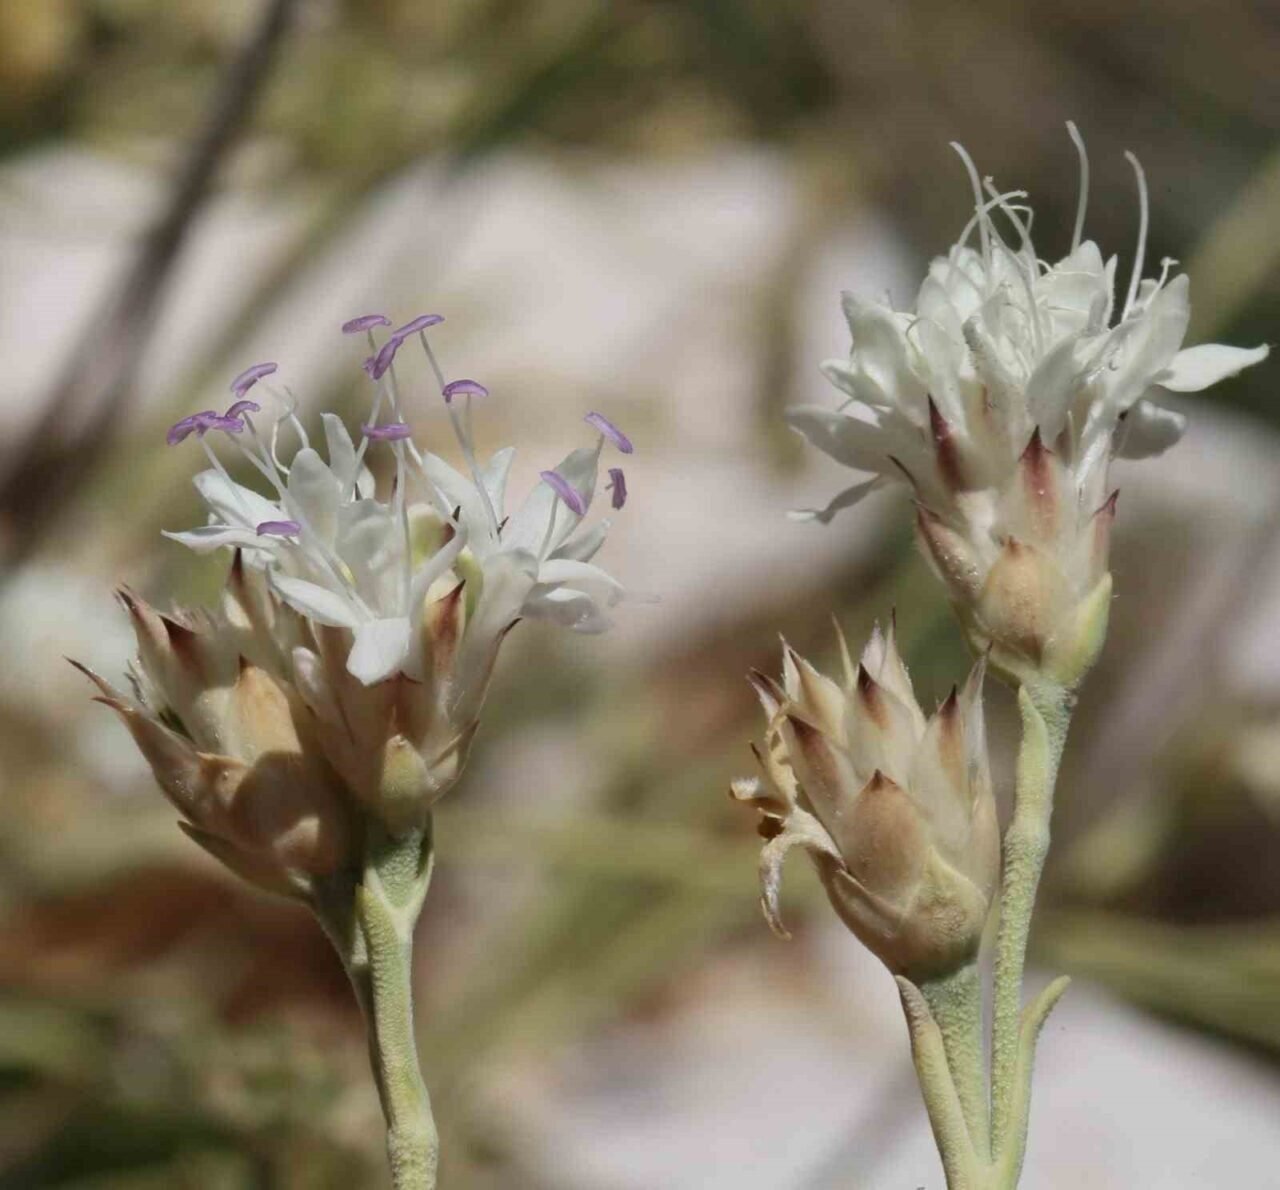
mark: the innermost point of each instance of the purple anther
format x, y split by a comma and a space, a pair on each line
217, 421
618, 485
180, 430
279, 529
250, 376
366, 322
376, 365
243, 407
599, 422
464, 388
565, 490
418, 324
393, 432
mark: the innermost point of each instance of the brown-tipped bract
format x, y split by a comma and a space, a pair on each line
895, 809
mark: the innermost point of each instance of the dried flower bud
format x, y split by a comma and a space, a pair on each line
896, 810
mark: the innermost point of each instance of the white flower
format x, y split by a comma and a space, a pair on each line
367, 628
342, 557
1001, 398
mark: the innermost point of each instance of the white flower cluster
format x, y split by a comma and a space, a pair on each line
1001, 398
342, 557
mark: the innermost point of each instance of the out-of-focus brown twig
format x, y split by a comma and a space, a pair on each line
45, 470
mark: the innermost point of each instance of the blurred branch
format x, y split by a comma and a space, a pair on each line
1239, 254
1223, 977
82, 410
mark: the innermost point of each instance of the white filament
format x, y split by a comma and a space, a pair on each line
1082, 203
1143, 217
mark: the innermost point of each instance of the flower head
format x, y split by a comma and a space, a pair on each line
896, 811
1000, 400
376, 622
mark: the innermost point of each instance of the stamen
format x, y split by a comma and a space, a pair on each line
201, 423
376, 365
185, 427
618, 484
250, 376
243, 407
1082, 203
599, 422
463, 388
461, 430
979, 218
1143, 216
278, 529
979, 210
1027, 271
565, 490
393, 432
365, 322
418, 325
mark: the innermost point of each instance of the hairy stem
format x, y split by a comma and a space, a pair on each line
1046, 713
956, 1003
370, 923
963, 1168
412, 1142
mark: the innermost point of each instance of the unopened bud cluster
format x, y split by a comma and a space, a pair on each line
895, 810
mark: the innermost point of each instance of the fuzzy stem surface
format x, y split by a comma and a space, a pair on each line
370, 923
1046, 714
960, 1162
956, 1003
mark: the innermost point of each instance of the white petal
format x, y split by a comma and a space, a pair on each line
370, 542
233, 503
880, 350
846, 499
380, 649
494, 475
315, 601
460, 493
846, 439
1149, 343
1201, 367
1149, 430
508, 578
212, 537
528, 524
575, 610
851, 380
316, 491
342, 457
582, 576
1054, 385
584, 546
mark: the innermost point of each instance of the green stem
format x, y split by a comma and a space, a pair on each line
371, 926
412, 1141
960, 1161
1046, 713
956, 1003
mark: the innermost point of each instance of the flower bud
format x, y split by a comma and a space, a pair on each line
896, 810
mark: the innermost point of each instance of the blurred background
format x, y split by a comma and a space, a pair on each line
647, 208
